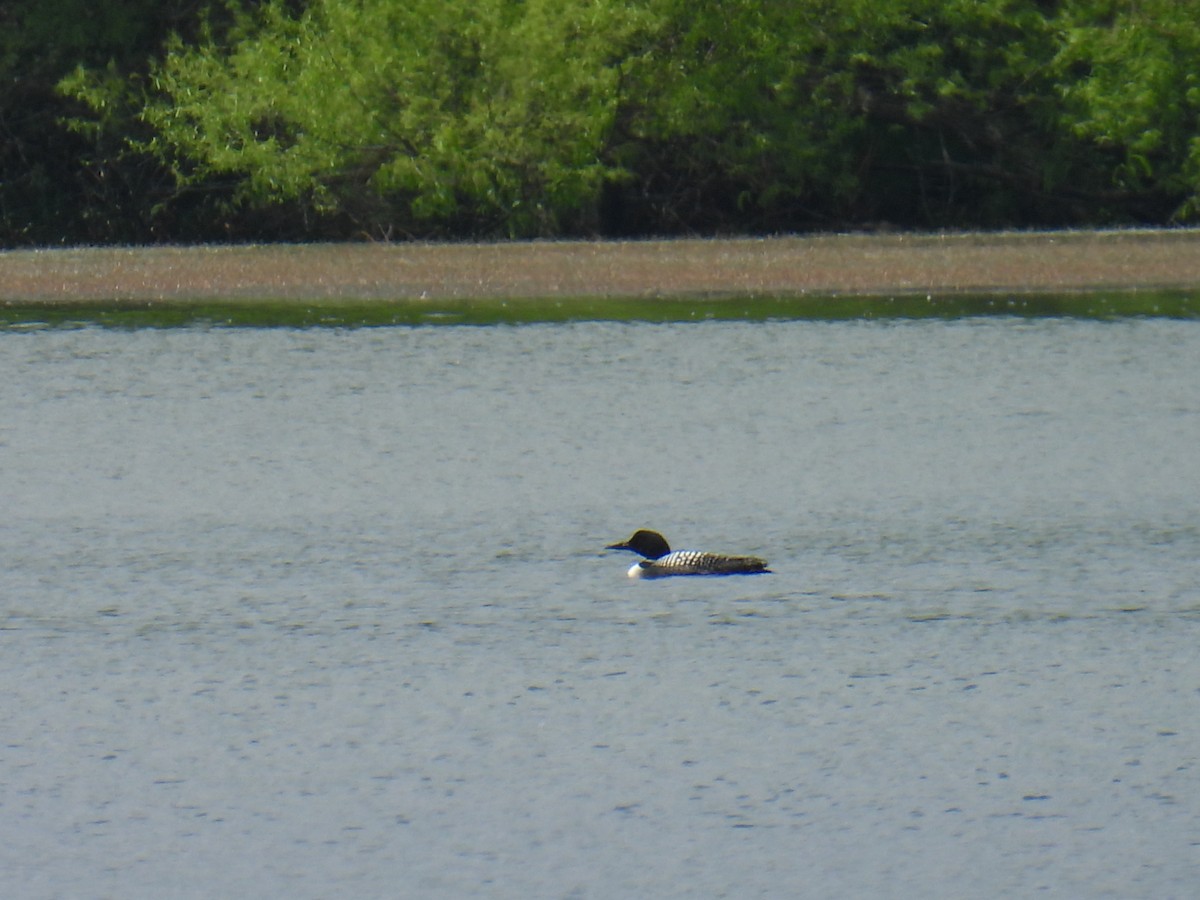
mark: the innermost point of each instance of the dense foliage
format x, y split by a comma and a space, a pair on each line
186, 119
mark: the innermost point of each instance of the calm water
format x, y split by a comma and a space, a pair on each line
318, 613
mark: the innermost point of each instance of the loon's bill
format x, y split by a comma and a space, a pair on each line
661, 561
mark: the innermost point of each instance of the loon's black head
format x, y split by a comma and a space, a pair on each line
649, 544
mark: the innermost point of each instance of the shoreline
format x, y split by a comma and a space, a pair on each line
696, 269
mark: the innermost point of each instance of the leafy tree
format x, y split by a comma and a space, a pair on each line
955, 97
424, 116
729, 114
1129, 76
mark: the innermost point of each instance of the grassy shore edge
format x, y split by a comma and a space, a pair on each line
835, 265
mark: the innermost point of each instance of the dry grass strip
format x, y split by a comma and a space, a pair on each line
786, 266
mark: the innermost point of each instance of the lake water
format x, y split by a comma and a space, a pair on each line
326, 613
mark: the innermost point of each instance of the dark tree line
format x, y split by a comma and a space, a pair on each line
179, 120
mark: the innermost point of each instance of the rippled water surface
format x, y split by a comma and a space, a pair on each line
317, 613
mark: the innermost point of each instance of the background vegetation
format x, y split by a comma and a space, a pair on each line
157, 120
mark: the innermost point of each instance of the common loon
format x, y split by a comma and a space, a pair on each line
661, 561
